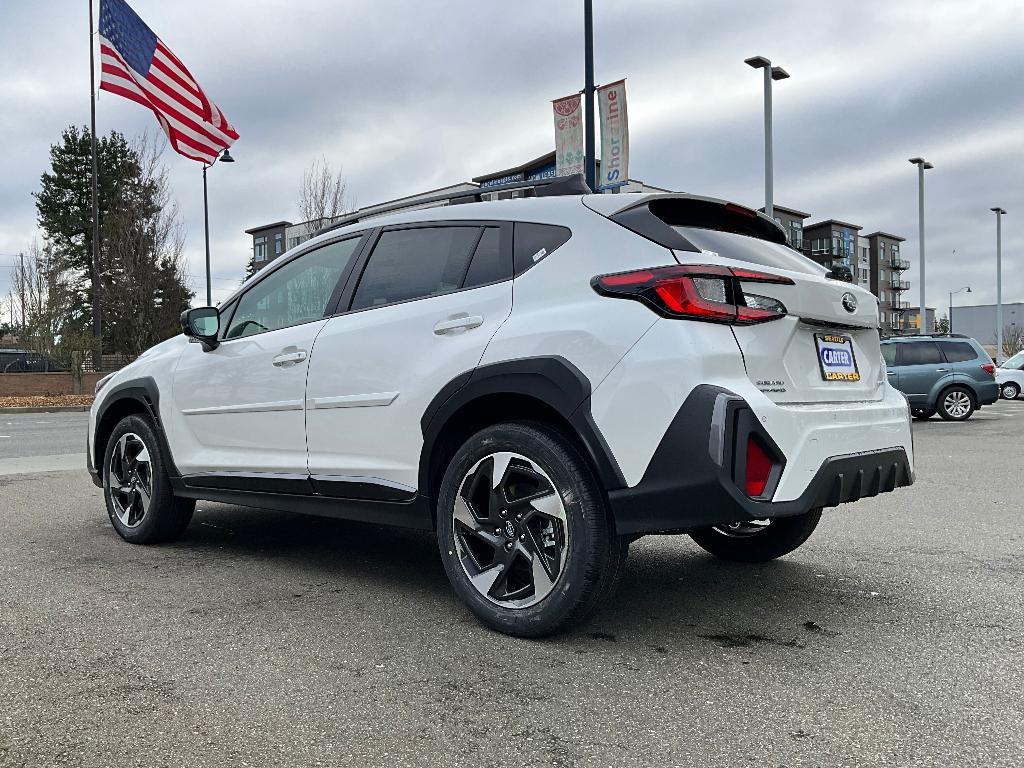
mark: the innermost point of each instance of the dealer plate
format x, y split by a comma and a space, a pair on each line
836, 360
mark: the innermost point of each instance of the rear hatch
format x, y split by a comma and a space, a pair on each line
825, 348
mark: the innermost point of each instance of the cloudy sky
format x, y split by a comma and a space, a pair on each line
408, 96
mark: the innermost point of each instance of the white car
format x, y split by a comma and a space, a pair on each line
539, 381
1010, 376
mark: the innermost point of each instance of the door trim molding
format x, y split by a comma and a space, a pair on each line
277, 405
352, 401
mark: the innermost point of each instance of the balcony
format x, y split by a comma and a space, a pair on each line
900, 306
899, 285
899, 264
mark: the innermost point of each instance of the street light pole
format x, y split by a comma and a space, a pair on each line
965, 288
770, 73
922, 166
224, 158
999, 212
590, 166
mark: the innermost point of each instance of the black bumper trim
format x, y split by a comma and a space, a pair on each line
691, 481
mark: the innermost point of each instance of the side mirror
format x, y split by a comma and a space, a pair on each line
203, 325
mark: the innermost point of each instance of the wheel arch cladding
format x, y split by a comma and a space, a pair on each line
547, 389
136, 396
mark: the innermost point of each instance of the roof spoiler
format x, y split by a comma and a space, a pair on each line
655, 218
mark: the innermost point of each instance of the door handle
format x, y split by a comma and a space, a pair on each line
288, 358
461, 322
942, 370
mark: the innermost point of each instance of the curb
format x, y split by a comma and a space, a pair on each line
51, 409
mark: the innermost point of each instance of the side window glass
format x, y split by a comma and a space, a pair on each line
225, 318
409, 264
488, 265
533, 242
920, 353
889, 354
957, 351
296, 293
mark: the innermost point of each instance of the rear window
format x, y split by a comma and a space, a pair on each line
957, 351
919, 353
732, 246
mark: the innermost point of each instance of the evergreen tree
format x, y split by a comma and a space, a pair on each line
64, 208
143, 288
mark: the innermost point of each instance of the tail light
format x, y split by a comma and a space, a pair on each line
759, 468
697, 292
989, 368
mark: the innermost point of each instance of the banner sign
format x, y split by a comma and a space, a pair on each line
611, 100
568, 136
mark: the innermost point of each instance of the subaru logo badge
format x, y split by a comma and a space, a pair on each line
849, 302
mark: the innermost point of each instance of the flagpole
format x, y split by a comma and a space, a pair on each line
97, 312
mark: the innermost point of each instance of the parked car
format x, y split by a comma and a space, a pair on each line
1010, 376
20, 361
539, 381
949, 374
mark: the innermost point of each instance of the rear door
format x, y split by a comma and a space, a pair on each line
921, 366
427, 302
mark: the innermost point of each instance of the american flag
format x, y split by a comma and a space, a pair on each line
137, 65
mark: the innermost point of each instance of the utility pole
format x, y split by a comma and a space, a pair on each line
770, 73
590, 165
999, 212
922, 166
21, 286
97, 312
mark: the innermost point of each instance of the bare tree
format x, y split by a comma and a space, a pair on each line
323, 196
1013, 339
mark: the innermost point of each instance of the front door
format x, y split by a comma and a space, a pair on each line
240, 408
920, 365
428, 301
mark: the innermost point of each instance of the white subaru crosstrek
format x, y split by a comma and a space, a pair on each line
539, 381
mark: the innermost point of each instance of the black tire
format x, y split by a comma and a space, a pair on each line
1010, 390
164, 517
563, 527
956, 403
922, 414
749, 543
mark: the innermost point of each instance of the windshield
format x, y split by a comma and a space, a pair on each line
732, 246
1016, 362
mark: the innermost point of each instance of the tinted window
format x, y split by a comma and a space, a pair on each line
957, 351
749, 249
295, 293
919, 353
488, 265
413, 263
889, 354
533, 242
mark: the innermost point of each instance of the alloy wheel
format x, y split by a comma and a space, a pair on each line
743, 529
130, 478
1010, 391
511, 530
957, 404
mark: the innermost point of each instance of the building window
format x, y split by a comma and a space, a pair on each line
259, 245
881, 316
278, 244
864, 275
796, 234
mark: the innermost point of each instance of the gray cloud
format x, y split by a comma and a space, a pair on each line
409, 96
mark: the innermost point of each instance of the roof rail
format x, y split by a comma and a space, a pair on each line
551, 187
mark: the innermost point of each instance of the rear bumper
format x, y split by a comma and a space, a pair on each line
988, 392
694, 478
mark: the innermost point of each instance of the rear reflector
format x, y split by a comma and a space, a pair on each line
759, 468
697, 292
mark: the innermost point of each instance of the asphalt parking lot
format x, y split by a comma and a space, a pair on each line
894, 637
